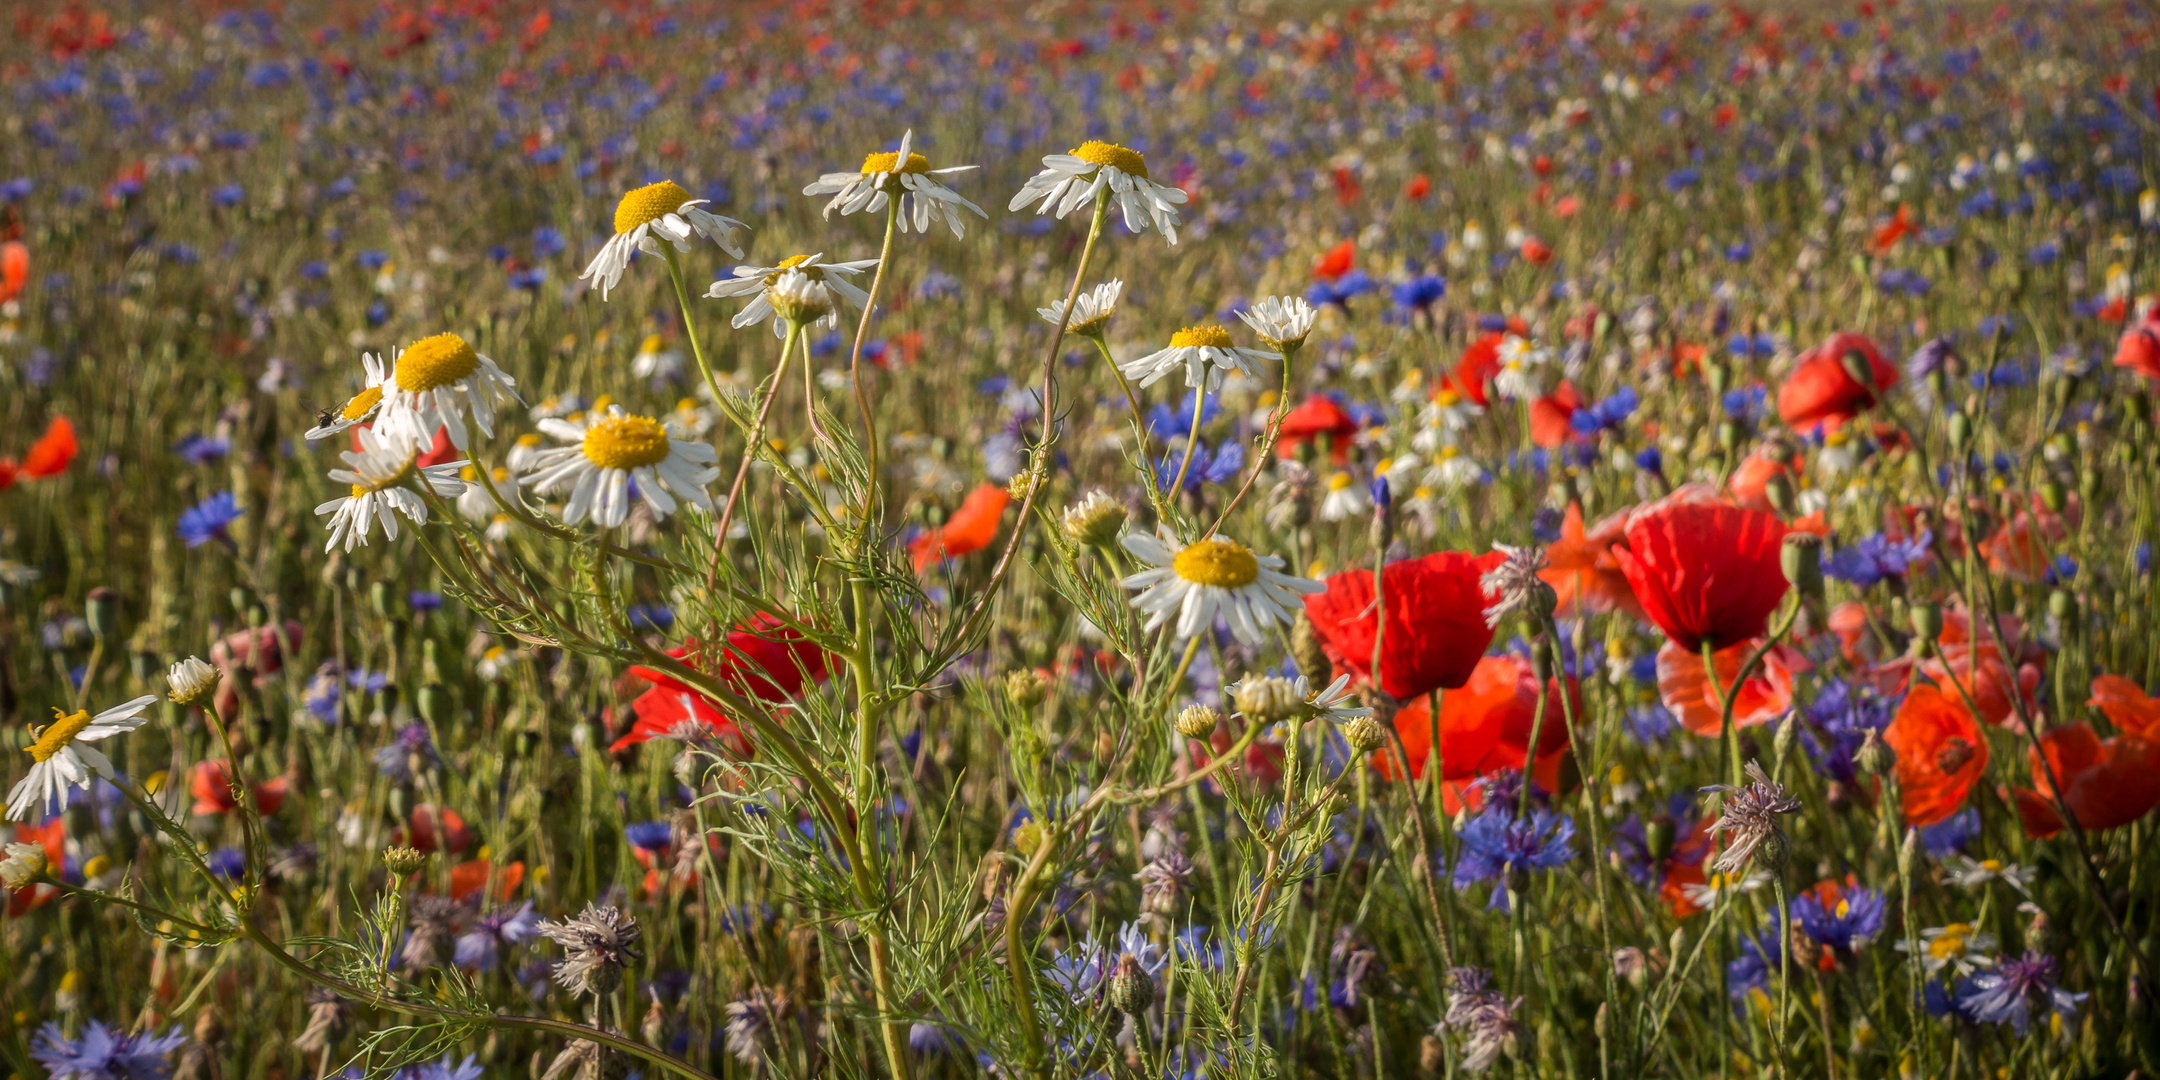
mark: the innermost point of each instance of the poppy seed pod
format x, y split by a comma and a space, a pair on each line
1714, 377
1728, 435
1927, 622
1801, 559
2062, 604
102, 608
1779, 493
1960, 432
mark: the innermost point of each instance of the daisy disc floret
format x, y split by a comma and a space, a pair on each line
1195, 582
360, 406
903, 175
436, 381
1203, 352
615, 455
802, 289
378, 474
652, 214
1069, 181
61, 756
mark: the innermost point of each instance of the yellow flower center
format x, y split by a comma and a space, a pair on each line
1952, 942
1201, 336
1992, 866
877, 163
435, 361
652, 344
404, 473
626, 442
528, 440
1117, 157
1217, 561
362, 403
1338, 481
59, 733
649, 203
1844, 908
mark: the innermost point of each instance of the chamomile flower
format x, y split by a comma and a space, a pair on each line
476, 505
654, 362
378, 472
61, 757
1091, 310
610, 452
1282, 321
1443, 420
1704, 895
1451, 470
1333, 702
1958, 946
434, 383
903, 175
361, 406
1345, 498
1971, 873
802, 290
1204, 352
1069, 181
1520, 362
1217, 575
655, 213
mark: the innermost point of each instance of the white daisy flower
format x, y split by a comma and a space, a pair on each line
803, 290
691, 420
1704, 894
476, 505
1091, 309
1345, 498
23, 865
1069, 181
1328, 703
1282, 321
378, 472
610, 452
435, 381
1970, 873
654, 362
359, 408
556, 405
923, 199
61, 758
1443, 420
1451, 471
1402, 471
1958, 946
1518, 379
1204, 352
651, 214
1214, 576
190, 679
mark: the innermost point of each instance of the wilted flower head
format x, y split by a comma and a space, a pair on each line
1483, 1016
190, 679
750, 1019
1514, 585
1748, 814
596, 945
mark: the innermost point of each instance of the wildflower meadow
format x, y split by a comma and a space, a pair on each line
934, 539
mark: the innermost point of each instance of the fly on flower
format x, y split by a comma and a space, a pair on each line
360, 407
900, 175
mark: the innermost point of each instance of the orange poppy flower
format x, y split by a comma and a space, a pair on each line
2139, 347
1856, 638
467, 878
2105, 784
1764, 696
1890, 232
1549, 415
212, 788
1750, 483
1941, 754
1980, 672
1820, 390
1336, 262
1318, 416
1536, 252
2126, 705
1580, 567
14, 270
970, 529
1436, 630
1485, 726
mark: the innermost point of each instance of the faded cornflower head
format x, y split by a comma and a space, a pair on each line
190, 679
596, 945
1164, 882
1748, 815
750, 1021
411, 753
435, 922
1483, 1016
1514, 585
583, 1059
327, 1016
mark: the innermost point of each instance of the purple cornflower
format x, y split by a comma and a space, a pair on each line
1757, 962
1498, 845
1840, 720
1220, 466
1841, 918
414, 748
479, 947
105, 1054
448, 1068
2007, 994
1877, 558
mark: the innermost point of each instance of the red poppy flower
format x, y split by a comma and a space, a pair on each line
763, 660
1537, 252
968, 530
2105, 784
467, 878
1820, 390
1684, 867
1941, 753
1485, 725
1418, 187
2127, 706
1336, 262
1762, 697
1750, 482
427, 834
1855, 636
1978, 668
1705, 571
1479, 363
48, 456
1890, 232
2139, 347
14, 270
1549, 415
1585, 576
1436, 631
212, 787
440, 451
1319, 416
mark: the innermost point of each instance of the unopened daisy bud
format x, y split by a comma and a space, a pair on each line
1267, 698
1027, 836
798, 298
102, 610
1927, 622
190, 679
1095, 519
1027, 687
1365, 734
1198, 721
23, 865
2061, 604
1022, 485
1875, 757
1131, 989
1801, 559
403, 861
1676, 945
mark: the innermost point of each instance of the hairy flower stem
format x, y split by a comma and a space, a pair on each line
862, 402
1267, 445
1727, 697
757, 437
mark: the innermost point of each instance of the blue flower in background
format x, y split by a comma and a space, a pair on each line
1496, 842
209, 519
103, 1053
1220, 467
1876, 558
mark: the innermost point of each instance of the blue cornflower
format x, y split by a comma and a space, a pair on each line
446, 1069
228, 863
1606, 415
1839, 722
424, 601
479, 947
1168, 422
106, 1054
1650, 459
1651, 722
655, 617
2062, 570
1843, 918
208, 520
1952, 834
1339, 292
1496, 843
1877, 557
202, 449
1220, 467
2007, 994
547, 242
1759, 959
1420, 292
412, 745
323, 693
650, 835
1759, 347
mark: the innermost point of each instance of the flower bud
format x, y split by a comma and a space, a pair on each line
1778, 490
102, 608
403, 861
1027, 836
1806, 951
1960, 432
2054, 496
1775, 852
1365, 734
1908, 852
190, 679
1856, 365
1027, 687
1383, 516
1131, 989
1266, 698
1659, 837
1801, 559
1677, 944
2062, 604
1198, 721
1728, 435
1781, 744
1927, 622
1875, 757
1095, 519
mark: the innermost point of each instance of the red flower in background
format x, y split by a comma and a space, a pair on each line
1479, 363
467, 878
2139, 347
1585, 576
212, 787
1336, 261
1820, 390
1763, 696
439, 452
1319, 416
968, 530
1941, 754
1436, 631
1958, 662
14, 270
2126, 705
1704, 571
1485, 725
763, 659
427, 834
52, 836
48, 456
2105, 784
1750, 482
1536, 252
1549, 415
